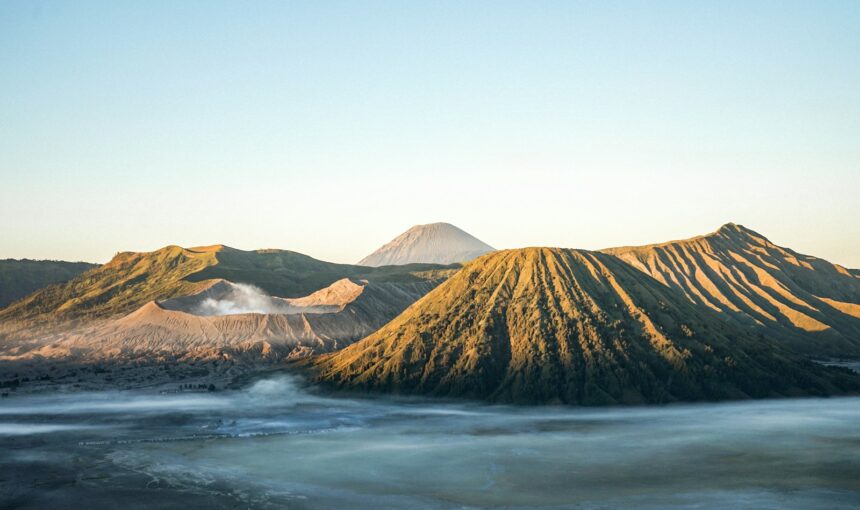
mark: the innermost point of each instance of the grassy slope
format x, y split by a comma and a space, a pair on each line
121, 285
553, 325
18, 278
289, 274
133, 279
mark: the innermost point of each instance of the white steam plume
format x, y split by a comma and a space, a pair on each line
243, 298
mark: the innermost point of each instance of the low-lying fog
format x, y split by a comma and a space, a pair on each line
273, 445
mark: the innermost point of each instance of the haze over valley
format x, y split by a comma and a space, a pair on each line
273, 445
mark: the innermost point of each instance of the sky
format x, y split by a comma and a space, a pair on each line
329, 127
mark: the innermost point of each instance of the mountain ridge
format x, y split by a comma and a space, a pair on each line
21, 277
550, 325
812, 304
132, 279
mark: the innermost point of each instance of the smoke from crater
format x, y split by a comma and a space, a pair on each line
242, 298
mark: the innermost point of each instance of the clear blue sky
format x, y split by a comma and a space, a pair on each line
330, 127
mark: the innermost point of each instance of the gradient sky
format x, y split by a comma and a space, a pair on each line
330, 127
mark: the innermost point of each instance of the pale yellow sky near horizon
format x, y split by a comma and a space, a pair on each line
514, 201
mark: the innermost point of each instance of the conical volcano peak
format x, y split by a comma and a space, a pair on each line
436, 243
740, 234
440, 225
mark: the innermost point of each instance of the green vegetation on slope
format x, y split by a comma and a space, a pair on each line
126, 282
18, 278
132, 279
289, 274
551, 325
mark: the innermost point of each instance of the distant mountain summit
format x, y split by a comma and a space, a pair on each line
434, 243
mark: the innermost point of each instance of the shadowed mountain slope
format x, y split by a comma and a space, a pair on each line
436, 243
542, 325
18, 278
808, 303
